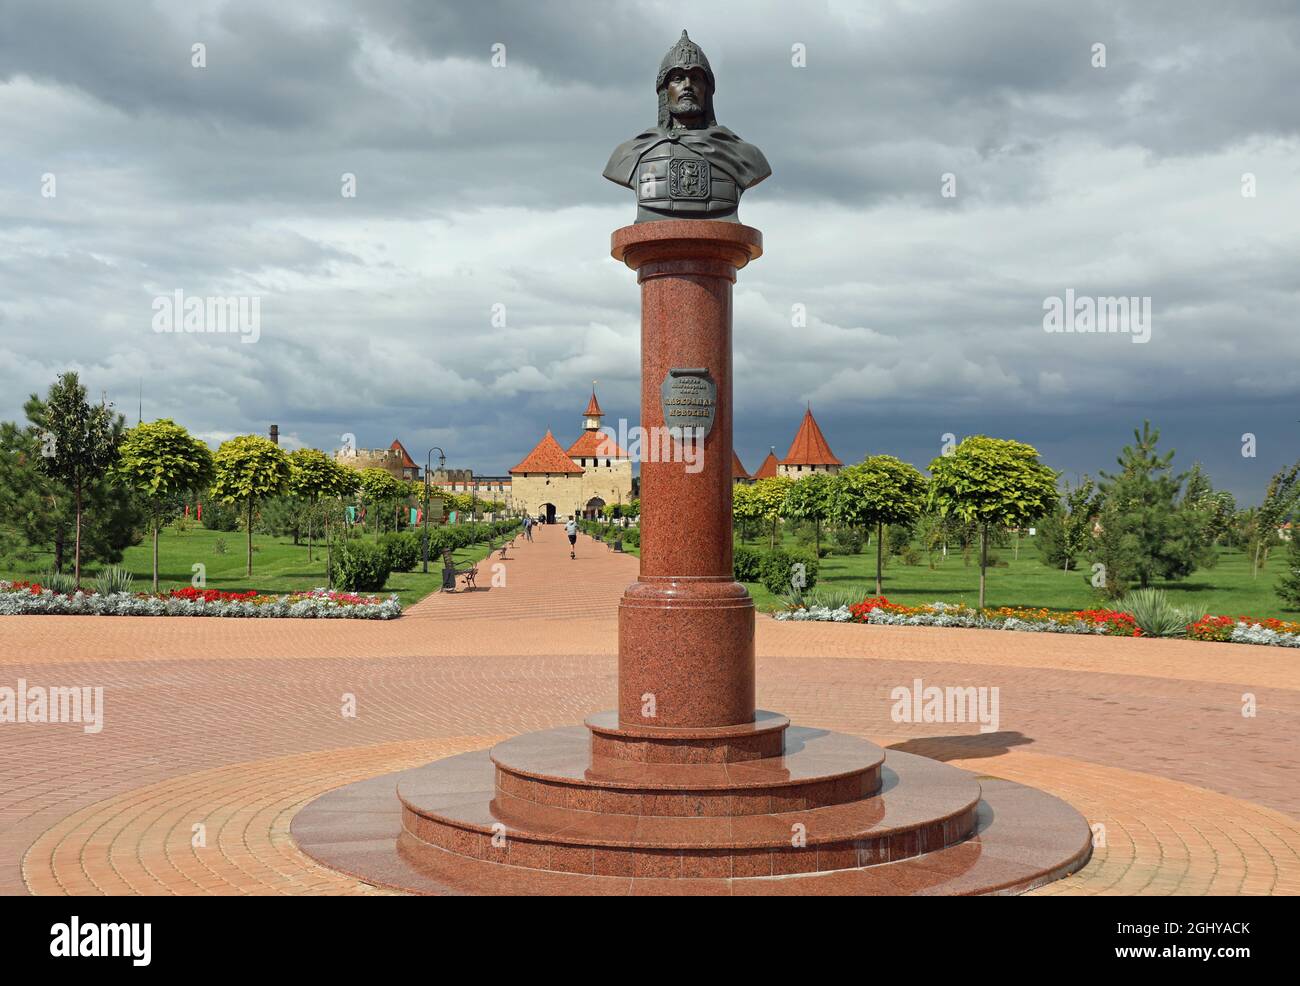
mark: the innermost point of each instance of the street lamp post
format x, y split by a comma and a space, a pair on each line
428, 461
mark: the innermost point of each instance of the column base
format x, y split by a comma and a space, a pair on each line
686, 654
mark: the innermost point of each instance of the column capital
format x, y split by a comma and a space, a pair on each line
686, 241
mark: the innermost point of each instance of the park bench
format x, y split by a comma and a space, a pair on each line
450, 573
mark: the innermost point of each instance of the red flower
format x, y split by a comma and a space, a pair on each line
212, 595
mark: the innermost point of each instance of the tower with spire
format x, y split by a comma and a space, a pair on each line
809, 452
579, 481
591, 417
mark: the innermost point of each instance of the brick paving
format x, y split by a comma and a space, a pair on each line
233, 725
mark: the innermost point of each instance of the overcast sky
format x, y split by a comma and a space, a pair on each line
479, 186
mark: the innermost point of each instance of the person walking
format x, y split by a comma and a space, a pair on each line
571, 529
528, 528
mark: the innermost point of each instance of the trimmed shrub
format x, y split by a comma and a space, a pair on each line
403, 550
360, 566
777, 570
220, 516
848, 541
898, 537
747, 563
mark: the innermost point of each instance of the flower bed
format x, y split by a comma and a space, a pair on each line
25, 598
880, 611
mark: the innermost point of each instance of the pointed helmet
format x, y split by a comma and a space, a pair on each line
685, 54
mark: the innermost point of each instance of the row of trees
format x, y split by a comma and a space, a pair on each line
77, 479
989, 483
1142, 523
1145, 522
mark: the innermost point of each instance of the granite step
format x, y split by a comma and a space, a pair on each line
556, 767
1023, 838
923, 805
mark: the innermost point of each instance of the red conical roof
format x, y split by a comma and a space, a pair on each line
738, 467
596, 445
768, 469
547, 456
593, 407
809, 447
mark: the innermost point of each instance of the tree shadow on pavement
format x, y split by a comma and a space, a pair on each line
971, 746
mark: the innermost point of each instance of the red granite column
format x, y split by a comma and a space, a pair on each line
686, 627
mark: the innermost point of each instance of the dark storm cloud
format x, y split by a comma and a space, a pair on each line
480, 186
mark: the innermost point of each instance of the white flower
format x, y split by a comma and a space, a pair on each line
314, 605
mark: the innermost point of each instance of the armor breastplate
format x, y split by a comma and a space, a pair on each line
673, 180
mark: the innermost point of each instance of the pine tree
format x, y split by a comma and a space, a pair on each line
78, 445
1066, 532
1148, 531
41, 510
1288, 586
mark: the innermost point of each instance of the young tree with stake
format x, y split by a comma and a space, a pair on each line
991, 482
163, 462
249, 468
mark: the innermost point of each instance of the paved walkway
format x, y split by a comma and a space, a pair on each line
217, 731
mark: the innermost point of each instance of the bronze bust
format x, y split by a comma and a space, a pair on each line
686, 166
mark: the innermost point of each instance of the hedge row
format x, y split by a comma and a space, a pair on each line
777, 570
780, 571
364, 566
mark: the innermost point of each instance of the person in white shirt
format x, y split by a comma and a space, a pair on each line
571, 529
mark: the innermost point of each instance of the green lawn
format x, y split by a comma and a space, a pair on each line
1226, 589
278, 565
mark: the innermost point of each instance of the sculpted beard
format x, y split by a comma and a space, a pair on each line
688, 105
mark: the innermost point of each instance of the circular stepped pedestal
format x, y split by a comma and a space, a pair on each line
736, 809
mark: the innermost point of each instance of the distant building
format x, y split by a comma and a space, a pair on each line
809, 452
738, 471
769, 466
394, 460
464, 481
575, 482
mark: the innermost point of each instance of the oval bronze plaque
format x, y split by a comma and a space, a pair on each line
689, 399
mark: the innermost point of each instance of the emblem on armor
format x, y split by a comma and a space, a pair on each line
688, 179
